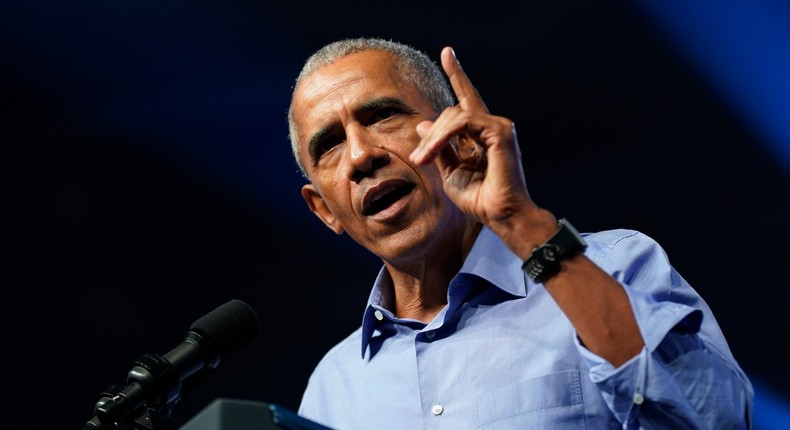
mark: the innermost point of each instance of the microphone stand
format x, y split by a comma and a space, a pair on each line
145, 404
156, 383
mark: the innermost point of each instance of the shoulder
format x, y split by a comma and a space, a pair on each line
606, 242
624, 253
611, 238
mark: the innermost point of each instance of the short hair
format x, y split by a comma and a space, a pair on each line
415, 67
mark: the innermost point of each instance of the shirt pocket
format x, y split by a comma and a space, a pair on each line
549, 401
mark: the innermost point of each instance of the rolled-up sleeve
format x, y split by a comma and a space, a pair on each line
685, 376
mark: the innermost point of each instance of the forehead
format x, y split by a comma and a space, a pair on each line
348, 83
374, 68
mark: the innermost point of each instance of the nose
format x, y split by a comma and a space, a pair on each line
365, 154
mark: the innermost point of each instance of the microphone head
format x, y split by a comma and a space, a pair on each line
227, 329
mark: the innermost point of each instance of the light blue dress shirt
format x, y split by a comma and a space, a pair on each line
501, 355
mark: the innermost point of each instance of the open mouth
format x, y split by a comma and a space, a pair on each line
385, 197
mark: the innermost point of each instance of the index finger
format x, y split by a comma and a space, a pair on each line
468, 97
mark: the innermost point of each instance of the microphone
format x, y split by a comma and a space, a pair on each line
156, 383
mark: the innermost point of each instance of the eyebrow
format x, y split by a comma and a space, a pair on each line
383, 102
365, 108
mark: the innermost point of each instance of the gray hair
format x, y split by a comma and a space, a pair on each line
414, 66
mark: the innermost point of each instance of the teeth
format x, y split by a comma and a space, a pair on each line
377, 195
377, 198
386, 196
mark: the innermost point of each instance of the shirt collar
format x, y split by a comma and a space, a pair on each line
489, 259
493, 261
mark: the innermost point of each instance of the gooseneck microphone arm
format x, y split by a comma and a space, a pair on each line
156, 383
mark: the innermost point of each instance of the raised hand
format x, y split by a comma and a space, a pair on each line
477, 153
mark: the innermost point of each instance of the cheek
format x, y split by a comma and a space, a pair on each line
430, 179
337, 195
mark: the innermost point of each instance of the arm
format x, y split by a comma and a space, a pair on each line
479, 156
682, 375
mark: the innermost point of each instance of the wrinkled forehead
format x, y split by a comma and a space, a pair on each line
374, 69
338, 88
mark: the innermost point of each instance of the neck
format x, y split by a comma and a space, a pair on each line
420, 285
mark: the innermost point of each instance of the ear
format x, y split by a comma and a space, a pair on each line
318, 207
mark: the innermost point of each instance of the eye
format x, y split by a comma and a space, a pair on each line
326, 145
384, 113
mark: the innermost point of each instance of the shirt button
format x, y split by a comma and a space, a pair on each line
379, 316
431, 335
639, 399
437, 409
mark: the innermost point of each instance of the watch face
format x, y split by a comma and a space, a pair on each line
549, 253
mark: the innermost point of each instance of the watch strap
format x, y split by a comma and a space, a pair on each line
545, 259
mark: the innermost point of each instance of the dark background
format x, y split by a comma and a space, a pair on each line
147, 176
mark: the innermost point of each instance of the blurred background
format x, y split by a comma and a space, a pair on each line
147, 175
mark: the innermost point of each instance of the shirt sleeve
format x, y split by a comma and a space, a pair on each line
685, 376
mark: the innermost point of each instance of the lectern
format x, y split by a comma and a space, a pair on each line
241, 414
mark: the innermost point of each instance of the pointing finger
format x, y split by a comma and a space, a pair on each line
468, 97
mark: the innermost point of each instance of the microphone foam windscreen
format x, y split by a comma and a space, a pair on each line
228, 328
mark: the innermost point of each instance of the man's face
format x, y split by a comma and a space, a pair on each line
356, 124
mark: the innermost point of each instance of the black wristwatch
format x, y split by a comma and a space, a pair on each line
545, 259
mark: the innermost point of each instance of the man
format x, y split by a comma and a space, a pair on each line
488, 312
